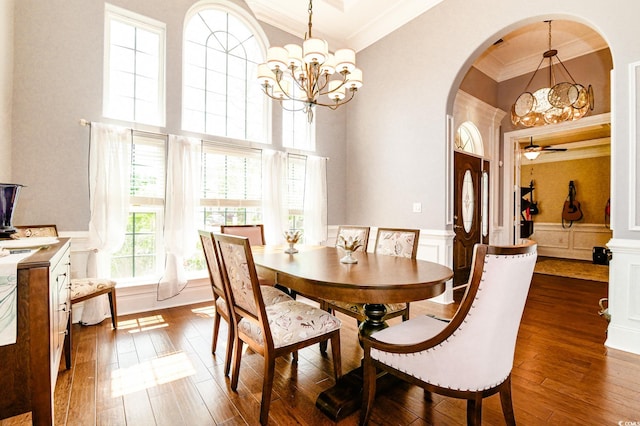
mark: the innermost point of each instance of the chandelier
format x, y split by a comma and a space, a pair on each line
309, 75
560, 101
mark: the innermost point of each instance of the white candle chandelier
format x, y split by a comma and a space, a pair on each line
306, 74
558, 102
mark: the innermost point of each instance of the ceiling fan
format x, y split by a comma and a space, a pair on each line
532, 151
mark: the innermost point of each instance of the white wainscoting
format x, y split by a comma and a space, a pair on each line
624, 296
576, 242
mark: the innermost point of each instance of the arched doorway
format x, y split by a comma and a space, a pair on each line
499, 91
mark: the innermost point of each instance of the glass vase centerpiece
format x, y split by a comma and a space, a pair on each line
349, 245
292, 237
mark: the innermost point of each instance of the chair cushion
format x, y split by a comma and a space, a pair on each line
291, 322
81, 287
409, 332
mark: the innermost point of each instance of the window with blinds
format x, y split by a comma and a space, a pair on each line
142, 254
232, 185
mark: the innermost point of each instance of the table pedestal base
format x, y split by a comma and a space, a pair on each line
345, 398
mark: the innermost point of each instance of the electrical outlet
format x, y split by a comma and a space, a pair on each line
417, 207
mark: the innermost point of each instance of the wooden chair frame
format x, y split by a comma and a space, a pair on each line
217, 286
267, 349
372, 367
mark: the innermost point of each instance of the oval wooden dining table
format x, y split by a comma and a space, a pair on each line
316, 271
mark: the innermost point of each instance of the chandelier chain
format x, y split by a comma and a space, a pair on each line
310, 10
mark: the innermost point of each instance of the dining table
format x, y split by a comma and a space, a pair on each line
375, 280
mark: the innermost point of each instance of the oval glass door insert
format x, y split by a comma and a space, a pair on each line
468, 201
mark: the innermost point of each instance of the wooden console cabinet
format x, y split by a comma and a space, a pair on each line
29, 368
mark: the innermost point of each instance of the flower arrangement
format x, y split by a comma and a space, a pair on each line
292, 236
350, 243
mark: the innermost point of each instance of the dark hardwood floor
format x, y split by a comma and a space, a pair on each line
157, 369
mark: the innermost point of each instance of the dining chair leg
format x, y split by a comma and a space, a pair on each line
336, 355
507, 402
229, 352
405, 316
267, 387
113, 308
237, 357
368, 391
474, 410
216, 329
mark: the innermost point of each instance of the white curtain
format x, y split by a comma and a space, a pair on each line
181, 207
315, 201
275, 215
109, 177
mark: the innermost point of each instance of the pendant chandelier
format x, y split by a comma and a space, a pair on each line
309, 75
562, 100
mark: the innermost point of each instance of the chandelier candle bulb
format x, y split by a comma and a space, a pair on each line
336, 90
345, 60
265, 75
315, 51
329, 66
277, 58
295, 55
354, 80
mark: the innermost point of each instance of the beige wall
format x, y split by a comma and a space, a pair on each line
6, 87
551, 181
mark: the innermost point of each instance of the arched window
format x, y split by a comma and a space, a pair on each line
223, 46
468, 139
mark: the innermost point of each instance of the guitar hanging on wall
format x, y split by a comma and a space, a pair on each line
533, 208
571, 210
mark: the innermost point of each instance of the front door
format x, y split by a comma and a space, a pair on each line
468, 205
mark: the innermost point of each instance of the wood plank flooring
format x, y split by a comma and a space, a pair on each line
157, 369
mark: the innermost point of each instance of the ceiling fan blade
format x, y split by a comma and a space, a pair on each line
548, 148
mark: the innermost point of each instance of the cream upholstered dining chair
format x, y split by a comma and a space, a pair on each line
255, 233
273, 330
359, 232
81, 288
391, 242
471, 356
271, 295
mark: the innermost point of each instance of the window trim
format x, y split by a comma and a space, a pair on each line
149, 24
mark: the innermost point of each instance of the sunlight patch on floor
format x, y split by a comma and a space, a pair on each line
151, 373
208, 311
142, 324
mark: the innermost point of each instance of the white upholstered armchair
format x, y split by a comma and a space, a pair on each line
470, 357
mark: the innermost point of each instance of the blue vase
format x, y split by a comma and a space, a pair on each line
8, 197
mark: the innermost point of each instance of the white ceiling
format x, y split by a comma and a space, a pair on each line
360, 23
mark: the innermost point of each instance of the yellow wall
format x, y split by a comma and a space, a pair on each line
551, 182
